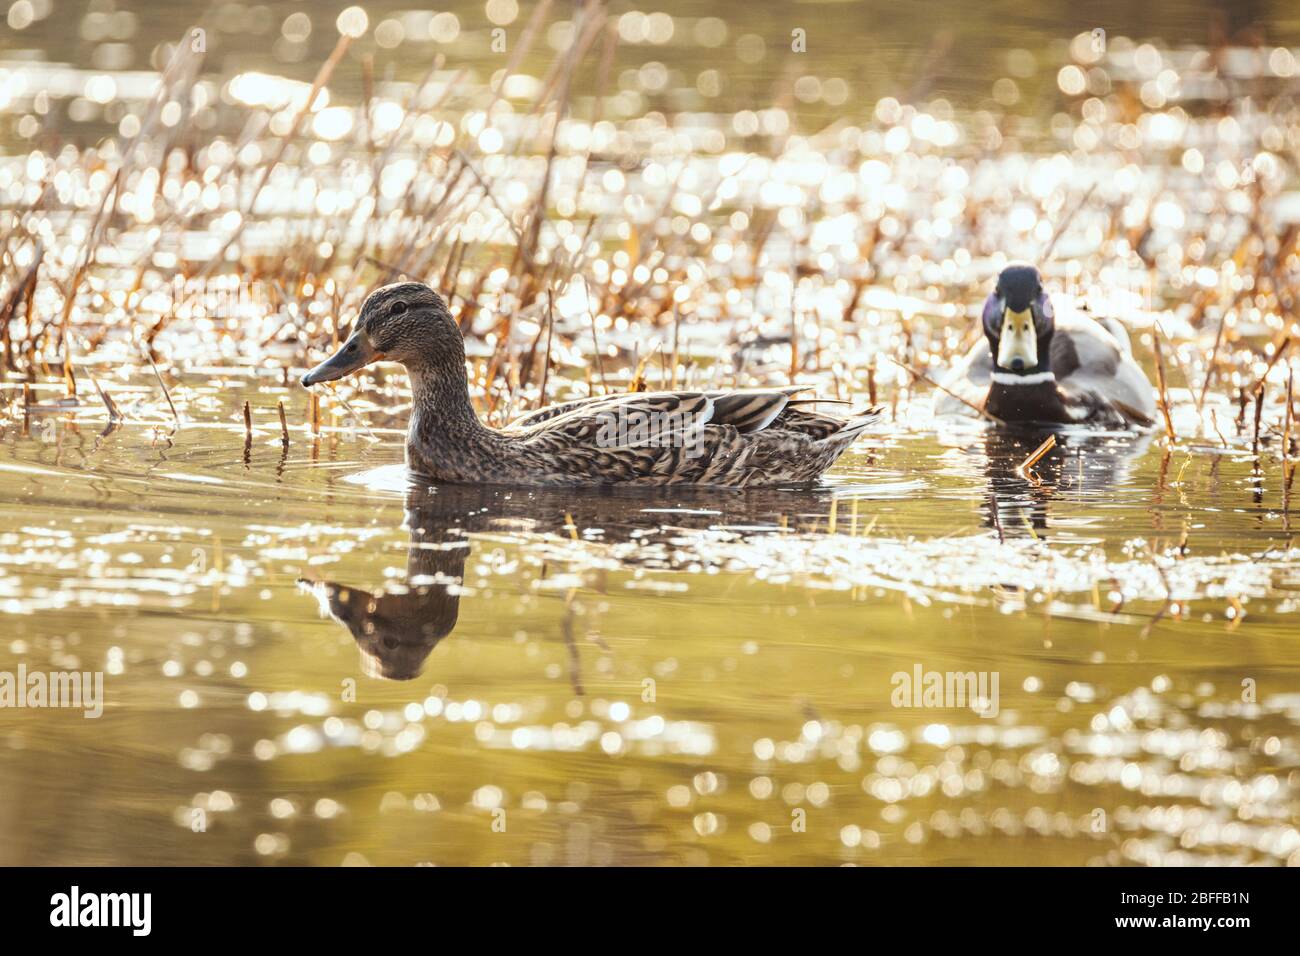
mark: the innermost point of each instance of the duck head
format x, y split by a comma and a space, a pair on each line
394, 631
406, 322
1018, 322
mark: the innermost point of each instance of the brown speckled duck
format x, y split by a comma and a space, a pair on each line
739, 438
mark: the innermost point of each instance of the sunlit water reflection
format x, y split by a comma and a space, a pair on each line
309, 660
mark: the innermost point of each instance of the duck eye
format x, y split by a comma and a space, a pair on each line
397, 309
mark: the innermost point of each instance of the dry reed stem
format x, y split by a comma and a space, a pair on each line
166, 394
1259, 414
917, 373
1277, 354
22, 292
352, 411
595, 340
677, 325
322, 77
1168, 601
521, 48
1065, 223
637, 383
1173, 354
114, 416
88, 249
1212, 367
591, 18
487, 191
550, 332
284, 425
1287, 467
1034, 458
1161, 387
1214, 421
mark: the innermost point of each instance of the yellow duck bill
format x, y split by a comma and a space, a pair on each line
1018, 342
355, 354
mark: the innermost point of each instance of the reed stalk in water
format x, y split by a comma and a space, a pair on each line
917, 373
166, 394
284, 425
114, 416
1287, 467
1161, 388
1034, 458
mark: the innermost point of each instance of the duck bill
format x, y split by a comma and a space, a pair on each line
331, 598
355, 354
1018, 342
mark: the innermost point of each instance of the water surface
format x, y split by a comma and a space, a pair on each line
676, 677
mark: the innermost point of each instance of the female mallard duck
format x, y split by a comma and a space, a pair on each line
1033, 367
726, 438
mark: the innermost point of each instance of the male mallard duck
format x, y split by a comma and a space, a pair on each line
1033, 367
728, 438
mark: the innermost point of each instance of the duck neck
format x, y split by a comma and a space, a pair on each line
445, 431
1019, 398
1029, 395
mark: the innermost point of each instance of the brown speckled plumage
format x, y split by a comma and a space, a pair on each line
725, 438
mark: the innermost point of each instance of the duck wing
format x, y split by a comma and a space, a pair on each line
524, 422
720, 437
819, 427
747, 409
643, 437
1095, 369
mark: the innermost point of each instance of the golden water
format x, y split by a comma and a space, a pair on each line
655, 678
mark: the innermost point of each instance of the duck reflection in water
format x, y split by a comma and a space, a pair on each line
1078, 464
396, 628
